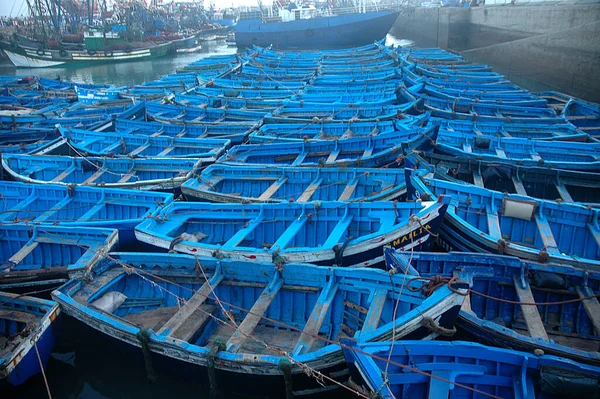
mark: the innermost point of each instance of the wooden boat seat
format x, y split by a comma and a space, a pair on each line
89, 289
316, 319
591, 306
152, 319
194, 322
247, 326
176, 323
21, 317
534, 323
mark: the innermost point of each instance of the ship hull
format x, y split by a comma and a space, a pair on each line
316, 33
26, 57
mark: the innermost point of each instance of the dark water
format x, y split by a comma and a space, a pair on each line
83, 365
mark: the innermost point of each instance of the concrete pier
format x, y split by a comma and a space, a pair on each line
544, 47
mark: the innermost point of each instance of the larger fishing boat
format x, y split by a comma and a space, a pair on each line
299, 27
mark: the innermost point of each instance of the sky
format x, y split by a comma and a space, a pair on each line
6, 6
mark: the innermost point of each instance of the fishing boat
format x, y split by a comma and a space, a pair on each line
91, 96
323, 233
490, 112
553, 154
583, 114
223, 183
142, 174
434, 369
118, 144
50, 255
560, 132
23, 135
340, 112
374, 151
497, 310
23, 55
355, 29
29, 329
79, 206
482, 220
538, 182
235, 132
250, 322
168, 113
295, 132
198, 100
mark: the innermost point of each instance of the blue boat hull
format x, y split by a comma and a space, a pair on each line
29, 365
316, 33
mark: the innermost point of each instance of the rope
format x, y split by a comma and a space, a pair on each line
307, 369
42, 368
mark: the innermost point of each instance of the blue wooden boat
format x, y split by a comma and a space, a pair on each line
240, 93
538, 182
482, 95
568, 329
584, 115
235, 132
464, 99
223, 183
487, 87
482, 220
353, 88
292, 132
22, 134
190, 115
324, 233
50, 255
223, 83
142, 174
375, 151
69, 206
254, 322
489, 112
27, 334
520, 151
560, 132
91, 96
461, 76
198, 100
22, 148
142, 146
433, 369
340, 112
386, 97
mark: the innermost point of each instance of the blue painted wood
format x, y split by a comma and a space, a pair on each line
538, 182
18, 314
530, 228
225, 183
280, 326
569, 327
59, 205
143, 146
554, 154
348, 233
463, 370
145, 174
41, 254
378, 151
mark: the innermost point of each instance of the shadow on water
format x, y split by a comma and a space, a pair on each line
83, 366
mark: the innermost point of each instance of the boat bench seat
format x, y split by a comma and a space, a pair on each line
194, 322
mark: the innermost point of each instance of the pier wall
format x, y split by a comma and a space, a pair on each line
538, 47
